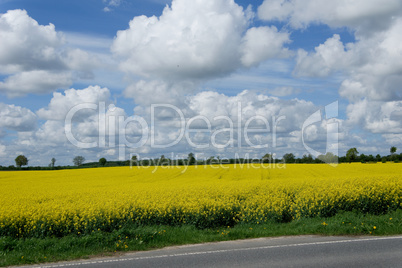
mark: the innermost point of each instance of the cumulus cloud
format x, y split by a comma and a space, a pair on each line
196, 40
33, 58
86, 126
146, 93
26, 45
24, 83
213, 104
51, 133
327, 58
263, 43
393, 139
364, 16
376, 116
17, 118
61, 103
370, 66
373, 71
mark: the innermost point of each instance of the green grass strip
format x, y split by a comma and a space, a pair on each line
136, 238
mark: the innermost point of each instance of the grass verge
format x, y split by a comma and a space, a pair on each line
136, 238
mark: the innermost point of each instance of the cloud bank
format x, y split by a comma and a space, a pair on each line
34, 59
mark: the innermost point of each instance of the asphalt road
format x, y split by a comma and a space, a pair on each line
296, 251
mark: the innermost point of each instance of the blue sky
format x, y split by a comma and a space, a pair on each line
273, 58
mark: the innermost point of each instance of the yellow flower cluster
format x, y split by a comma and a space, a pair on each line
58, 203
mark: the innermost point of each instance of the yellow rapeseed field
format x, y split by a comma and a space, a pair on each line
57, 203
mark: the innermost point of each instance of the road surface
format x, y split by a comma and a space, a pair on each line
295, 251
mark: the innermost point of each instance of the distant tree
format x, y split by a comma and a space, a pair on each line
392, 150
163, 161
210, 160
329, 158
289, 158
378, 157
134, 160
352, 155
102, 161
21, 160
191, 159
267, 158
52, 162
78, 160
307, 158
363, 158
370, 158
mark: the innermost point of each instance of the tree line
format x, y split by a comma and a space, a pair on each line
352, 155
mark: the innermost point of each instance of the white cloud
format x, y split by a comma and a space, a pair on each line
17, 118
45, 141
114, 3
111, 4
81, 62
328, 57
26, 45
263, 43
35, 81
376, 116
373, 71
61, 103
85, 124
51, 133
371, 66
34, 59
393, 139
146, 93
195, 40
365, 16
3, 149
